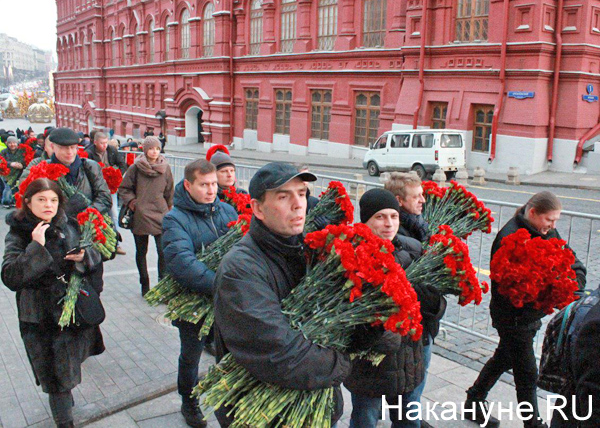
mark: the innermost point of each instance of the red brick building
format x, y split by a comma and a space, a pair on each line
328, 76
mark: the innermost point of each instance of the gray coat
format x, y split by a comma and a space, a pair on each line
31, 270
151, 186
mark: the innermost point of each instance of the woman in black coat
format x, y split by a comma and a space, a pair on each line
37, 267
517, 327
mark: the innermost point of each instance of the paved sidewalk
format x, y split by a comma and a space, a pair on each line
546, 178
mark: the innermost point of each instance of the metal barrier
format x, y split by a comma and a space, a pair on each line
576, 228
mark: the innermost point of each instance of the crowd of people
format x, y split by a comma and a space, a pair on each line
42, 253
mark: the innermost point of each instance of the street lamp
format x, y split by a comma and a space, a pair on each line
161, 115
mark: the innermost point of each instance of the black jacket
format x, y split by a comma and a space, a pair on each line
115, 159
414, 226
585, 368
252, 280
31, 270
503, 313
403, 369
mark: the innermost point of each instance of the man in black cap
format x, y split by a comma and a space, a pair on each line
253, 279
225, 173
84, 174
403, 370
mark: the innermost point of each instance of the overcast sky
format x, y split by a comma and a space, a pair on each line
30, 21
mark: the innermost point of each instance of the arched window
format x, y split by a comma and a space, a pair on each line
113, 48
208, 41
374, 23
135, 46
167, 39
256, 27
288, 25
91, 50
83, 47
185, 34
151, 41
327, 30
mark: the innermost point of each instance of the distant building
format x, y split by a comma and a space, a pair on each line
327, 77
19, 60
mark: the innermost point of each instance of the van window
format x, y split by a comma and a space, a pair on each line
422, 141
400, 141
380, 143
450, 141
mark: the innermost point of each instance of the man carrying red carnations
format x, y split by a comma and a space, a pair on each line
253, 280
219, 156
518, 304
402, 370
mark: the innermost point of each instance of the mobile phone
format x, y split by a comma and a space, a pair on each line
75, 250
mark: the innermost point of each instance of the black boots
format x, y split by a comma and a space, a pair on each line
192, 414
478, 416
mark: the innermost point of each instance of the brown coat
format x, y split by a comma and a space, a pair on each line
151, 187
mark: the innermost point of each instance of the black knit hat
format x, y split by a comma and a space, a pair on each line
376, 200
63, 137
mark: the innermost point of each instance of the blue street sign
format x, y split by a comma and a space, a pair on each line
590, 98
589, 89
520, 95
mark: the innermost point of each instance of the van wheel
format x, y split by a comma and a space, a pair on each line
450, 175
373, 169
420, 171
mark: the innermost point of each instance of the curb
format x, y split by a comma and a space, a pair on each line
540, 184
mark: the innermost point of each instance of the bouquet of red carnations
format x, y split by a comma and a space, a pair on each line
354, 281
456, 207
334, 205
82, 153
447, 265
4, 169
112, 176
239, 201
26, 155
94, 233
188, 305
536, 271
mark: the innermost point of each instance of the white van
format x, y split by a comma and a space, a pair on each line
421, 150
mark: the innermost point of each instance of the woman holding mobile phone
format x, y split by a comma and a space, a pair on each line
37, 266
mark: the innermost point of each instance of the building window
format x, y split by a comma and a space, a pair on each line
366, 125
321, 114
438, 115
251, 108
163, 94
136, 46
209, 30
167, 39
482, 127
151, 42
185, 34
152, 96
113, 49
123, 93
288, 25
256, 27
472, 20
374, 23
283, 111
327, 16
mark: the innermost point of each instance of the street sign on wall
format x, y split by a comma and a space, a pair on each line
521, 95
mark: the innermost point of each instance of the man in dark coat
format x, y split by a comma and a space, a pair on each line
13, 160
402, 371
101, 151
253, 279
408, 190
86, 176
225, 172
197, 219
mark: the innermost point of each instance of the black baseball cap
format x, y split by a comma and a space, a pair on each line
274, 175
63, 137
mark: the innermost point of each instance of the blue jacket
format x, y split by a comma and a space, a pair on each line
186, 229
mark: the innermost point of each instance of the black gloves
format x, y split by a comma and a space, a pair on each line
430, 299
76, 204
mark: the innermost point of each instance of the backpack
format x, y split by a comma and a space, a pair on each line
555, 365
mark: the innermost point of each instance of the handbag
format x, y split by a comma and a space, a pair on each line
125, 217
88, 308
